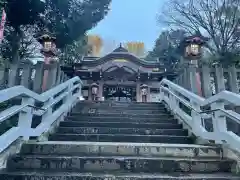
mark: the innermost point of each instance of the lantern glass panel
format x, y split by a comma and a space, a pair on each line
48, 45
94, 90
194, 49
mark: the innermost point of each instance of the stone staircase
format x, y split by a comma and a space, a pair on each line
117, 141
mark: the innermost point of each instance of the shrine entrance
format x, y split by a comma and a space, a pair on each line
119, 93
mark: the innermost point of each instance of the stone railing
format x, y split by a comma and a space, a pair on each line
36, 113
31, 76
212, 79
209, 119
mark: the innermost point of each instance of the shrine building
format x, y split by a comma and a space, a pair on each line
119, 76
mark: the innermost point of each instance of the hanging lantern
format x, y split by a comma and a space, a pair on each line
48, 43
193, 46
94, 87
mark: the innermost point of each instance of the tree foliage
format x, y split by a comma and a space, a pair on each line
70, 19
218, 19
19, 14
137, 48
74, 52
166, 47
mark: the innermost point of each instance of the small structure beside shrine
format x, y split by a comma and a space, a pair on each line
119, 76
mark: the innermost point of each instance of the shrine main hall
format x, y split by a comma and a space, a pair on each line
119, 76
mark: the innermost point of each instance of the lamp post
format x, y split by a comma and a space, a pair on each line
144, 92
193, 53
48, 50
94, 90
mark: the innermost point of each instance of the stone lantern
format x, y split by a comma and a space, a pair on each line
144, 92
94, 91
193, 52
49, 51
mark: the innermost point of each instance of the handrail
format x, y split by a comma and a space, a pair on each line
15, 91
69, 92
217, 113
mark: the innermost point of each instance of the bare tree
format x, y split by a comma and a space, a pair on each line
219, 19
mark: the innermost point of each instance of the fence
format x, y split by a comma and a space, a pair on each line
31, 76
213, 79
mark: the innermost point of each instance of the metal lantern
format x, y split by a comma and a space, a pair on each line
144, 89
193, 46
94, 87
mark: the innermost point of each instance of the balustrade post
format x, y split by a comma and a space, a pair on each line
219, 121
38, 79
219, 78
49, 109
25, 118
68, 98
197, 119
233, 79
26, 74
205, 80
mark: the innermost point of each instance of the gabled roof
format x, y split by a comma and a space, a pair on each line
120, 49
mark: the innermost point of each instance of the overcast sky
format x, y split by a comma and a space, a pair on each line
131, 20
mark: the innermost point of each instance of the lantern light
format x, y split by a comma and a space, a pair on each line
144, 89
193, 45
94, 87
48, 43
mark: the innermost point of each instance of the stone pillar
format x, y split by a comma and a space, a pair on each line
193, 77
219, 78
62, 77
186, 79
38, 79
205, 81
233, 79
58, 80
26, 74
138, 92
52, 73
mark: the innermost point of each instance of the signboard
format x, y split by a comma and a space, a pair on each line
120, 60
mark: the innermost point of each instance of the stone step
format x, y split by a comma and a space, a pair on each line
118, 164
122, 138
93, 113
129, 111
120, 149
29, 175
121, 119
120, 124
125, 108
107, 130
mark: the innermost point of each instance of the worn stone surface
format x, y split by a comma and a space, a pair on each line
94, 176
122, 138
123, 119
117, 163
118, 149
120, 124
106, 130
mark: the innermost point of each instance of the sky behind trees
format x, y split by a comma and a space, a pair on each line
131, 20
